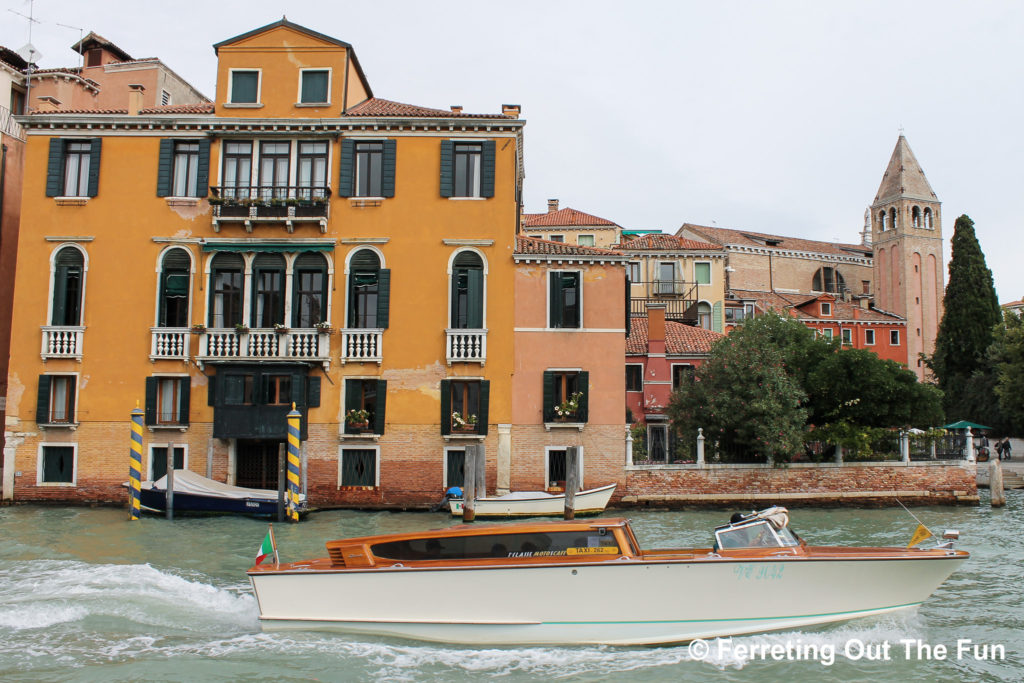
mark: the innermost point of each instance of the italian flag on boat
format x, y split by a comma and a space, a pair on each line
268, 547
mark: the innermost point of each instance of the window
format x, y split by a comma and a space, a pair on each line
56, 400
556, 458
175, 270
915, 217
827, 333
369, 395
892, 218
928, 218
68, 285
274, 161
454, 467
467, 168
186, 169
826, 308
237, 170
244, 87
702, 273
56, 464
847, 334
369, 160
634, 377
634, 271
865, 286
894, 337
312, 170
657, 442
167, 400
470, 399
682, 374
585, 240
94, 57
278, 390
881, 220
227, 278
667, 278
238, 389
704, 315
17, 101
76, 169
869, 337
557, 238
268, 274
368, 168
158, 460
566, 394
73, 167
368, 291
309, 290
358, 467
467, 291
314, 88
165, 98
565, 304
828, 280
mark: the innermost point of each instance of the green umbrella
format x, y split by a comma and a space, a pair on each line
964, 424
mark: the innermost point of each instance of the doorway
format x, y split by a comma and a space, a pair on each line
256, 463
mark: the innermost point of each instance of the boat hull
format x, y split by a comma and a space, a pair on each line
591, 502
156, 500
620, 602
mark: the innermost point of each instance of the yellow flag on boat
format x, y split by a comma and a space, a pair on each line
920, 534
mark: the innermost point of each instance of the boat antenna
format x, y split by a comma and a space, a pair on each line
914, 516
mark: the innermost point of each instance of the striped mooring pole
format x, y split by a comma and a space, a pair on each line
294, 445
135, 469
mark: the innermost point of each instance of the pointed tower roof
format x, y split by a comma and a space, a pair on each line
904, 177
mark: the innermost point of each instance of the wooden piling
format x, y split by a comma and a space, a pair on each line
469, 485
280, 482
481, 470
572, 480
995, 482
169, 491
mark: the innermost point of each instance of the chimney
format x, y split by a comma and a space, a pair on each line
456, 108
865, 302
655, 323
856, 314
135, 98
511, 110
48, 103
552, 205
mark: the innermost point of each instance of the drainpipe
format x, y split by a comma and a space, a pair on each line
3, 179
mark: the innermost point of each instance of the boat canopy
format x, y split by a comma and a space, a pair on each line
768, 528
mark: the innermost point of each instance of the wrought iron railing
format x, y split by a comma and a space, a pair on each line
281, 202
466, 346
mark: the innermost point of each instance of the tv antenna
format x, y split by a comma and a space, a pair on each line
81, 37
28, 52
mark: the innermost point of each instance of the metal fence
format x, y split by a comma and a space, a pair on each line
9, 126
940, 447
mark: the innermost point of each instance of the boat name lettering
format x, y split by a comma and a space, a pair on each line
601, 550
758, 572
537, 553
251, 504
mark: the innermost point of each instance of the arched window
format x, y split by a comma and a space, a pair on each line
928, 218
268, 290
367, 291
892, 218
467, 291
68, 279
915, 217
704, 315
175, 269
227, 281
828, 279
309, 290
881, 220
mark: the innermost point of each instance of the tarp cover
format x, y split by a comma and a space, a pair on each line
186, 481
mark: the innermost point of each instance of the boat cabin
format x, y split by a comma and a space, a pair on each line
765, 529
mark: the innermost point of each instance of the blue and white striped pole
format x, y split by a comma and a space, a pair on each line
135, 468
294, 446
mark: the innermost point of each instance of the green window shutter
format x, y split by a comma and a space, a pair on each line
164, 168
447, 168
383, 297
353, 394
43, 400
485, 407
476, 298
211, 392
487, 170
387, 185
94, 166
583, 385
379, 413
549, 396
716, 317
446, 407
203, 172
348, 168
184, 400
629, 322
71, 399
313, 392
55, 169
151, 400
298, 391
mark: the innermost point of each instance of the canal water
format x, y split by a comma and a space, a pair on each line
87, 596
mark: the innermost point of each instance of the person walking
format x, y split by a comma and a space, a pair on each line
1006, 451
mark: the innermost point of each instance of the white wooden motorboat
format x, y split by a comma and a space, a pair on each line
537, 503
589, 582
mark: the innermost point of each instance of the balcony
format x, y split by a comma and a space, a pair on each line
668, 287
362, 346
270, 204
169, 343
467, 346
265, 344
679, 297
62, 341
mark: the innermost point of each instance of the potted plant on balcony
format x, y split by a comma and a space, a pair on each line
198, 328
280, 328
462, 423
313, 207
324, 327
566, 410
241, 328
358, 419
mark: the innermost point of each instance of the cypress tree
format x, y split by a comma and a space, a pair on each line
971, 312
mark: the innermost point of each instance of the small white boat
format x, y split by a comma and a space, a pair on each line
537, 503
589, 582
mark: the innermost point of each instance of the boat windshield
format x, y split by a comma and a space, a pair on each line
756, 534
471, 547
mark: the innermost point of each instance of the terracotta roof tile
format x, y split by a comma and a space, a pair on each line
533, 245
747, 238
798, 303
375, 106
195, 108
79, 111
661, 241
680, 339
565, 216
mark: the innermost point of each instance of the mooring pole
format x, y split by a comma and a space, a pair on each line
169, 491
294, 462
995, 482
280, 482
572, 480
481, 471
135, 467
469, 485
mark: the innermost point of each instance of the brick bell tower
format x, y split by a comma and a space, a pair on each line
906, 233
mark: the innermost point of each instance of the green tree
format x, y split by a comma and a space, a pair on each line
1007, 357
965, 333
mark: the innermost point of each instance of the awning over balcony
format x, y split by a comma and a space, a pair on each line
275, 247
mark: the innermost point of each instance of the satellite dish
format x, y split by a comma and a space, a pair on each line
29, 53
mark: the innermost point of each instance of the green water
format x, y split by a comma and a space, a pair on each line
87, 596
